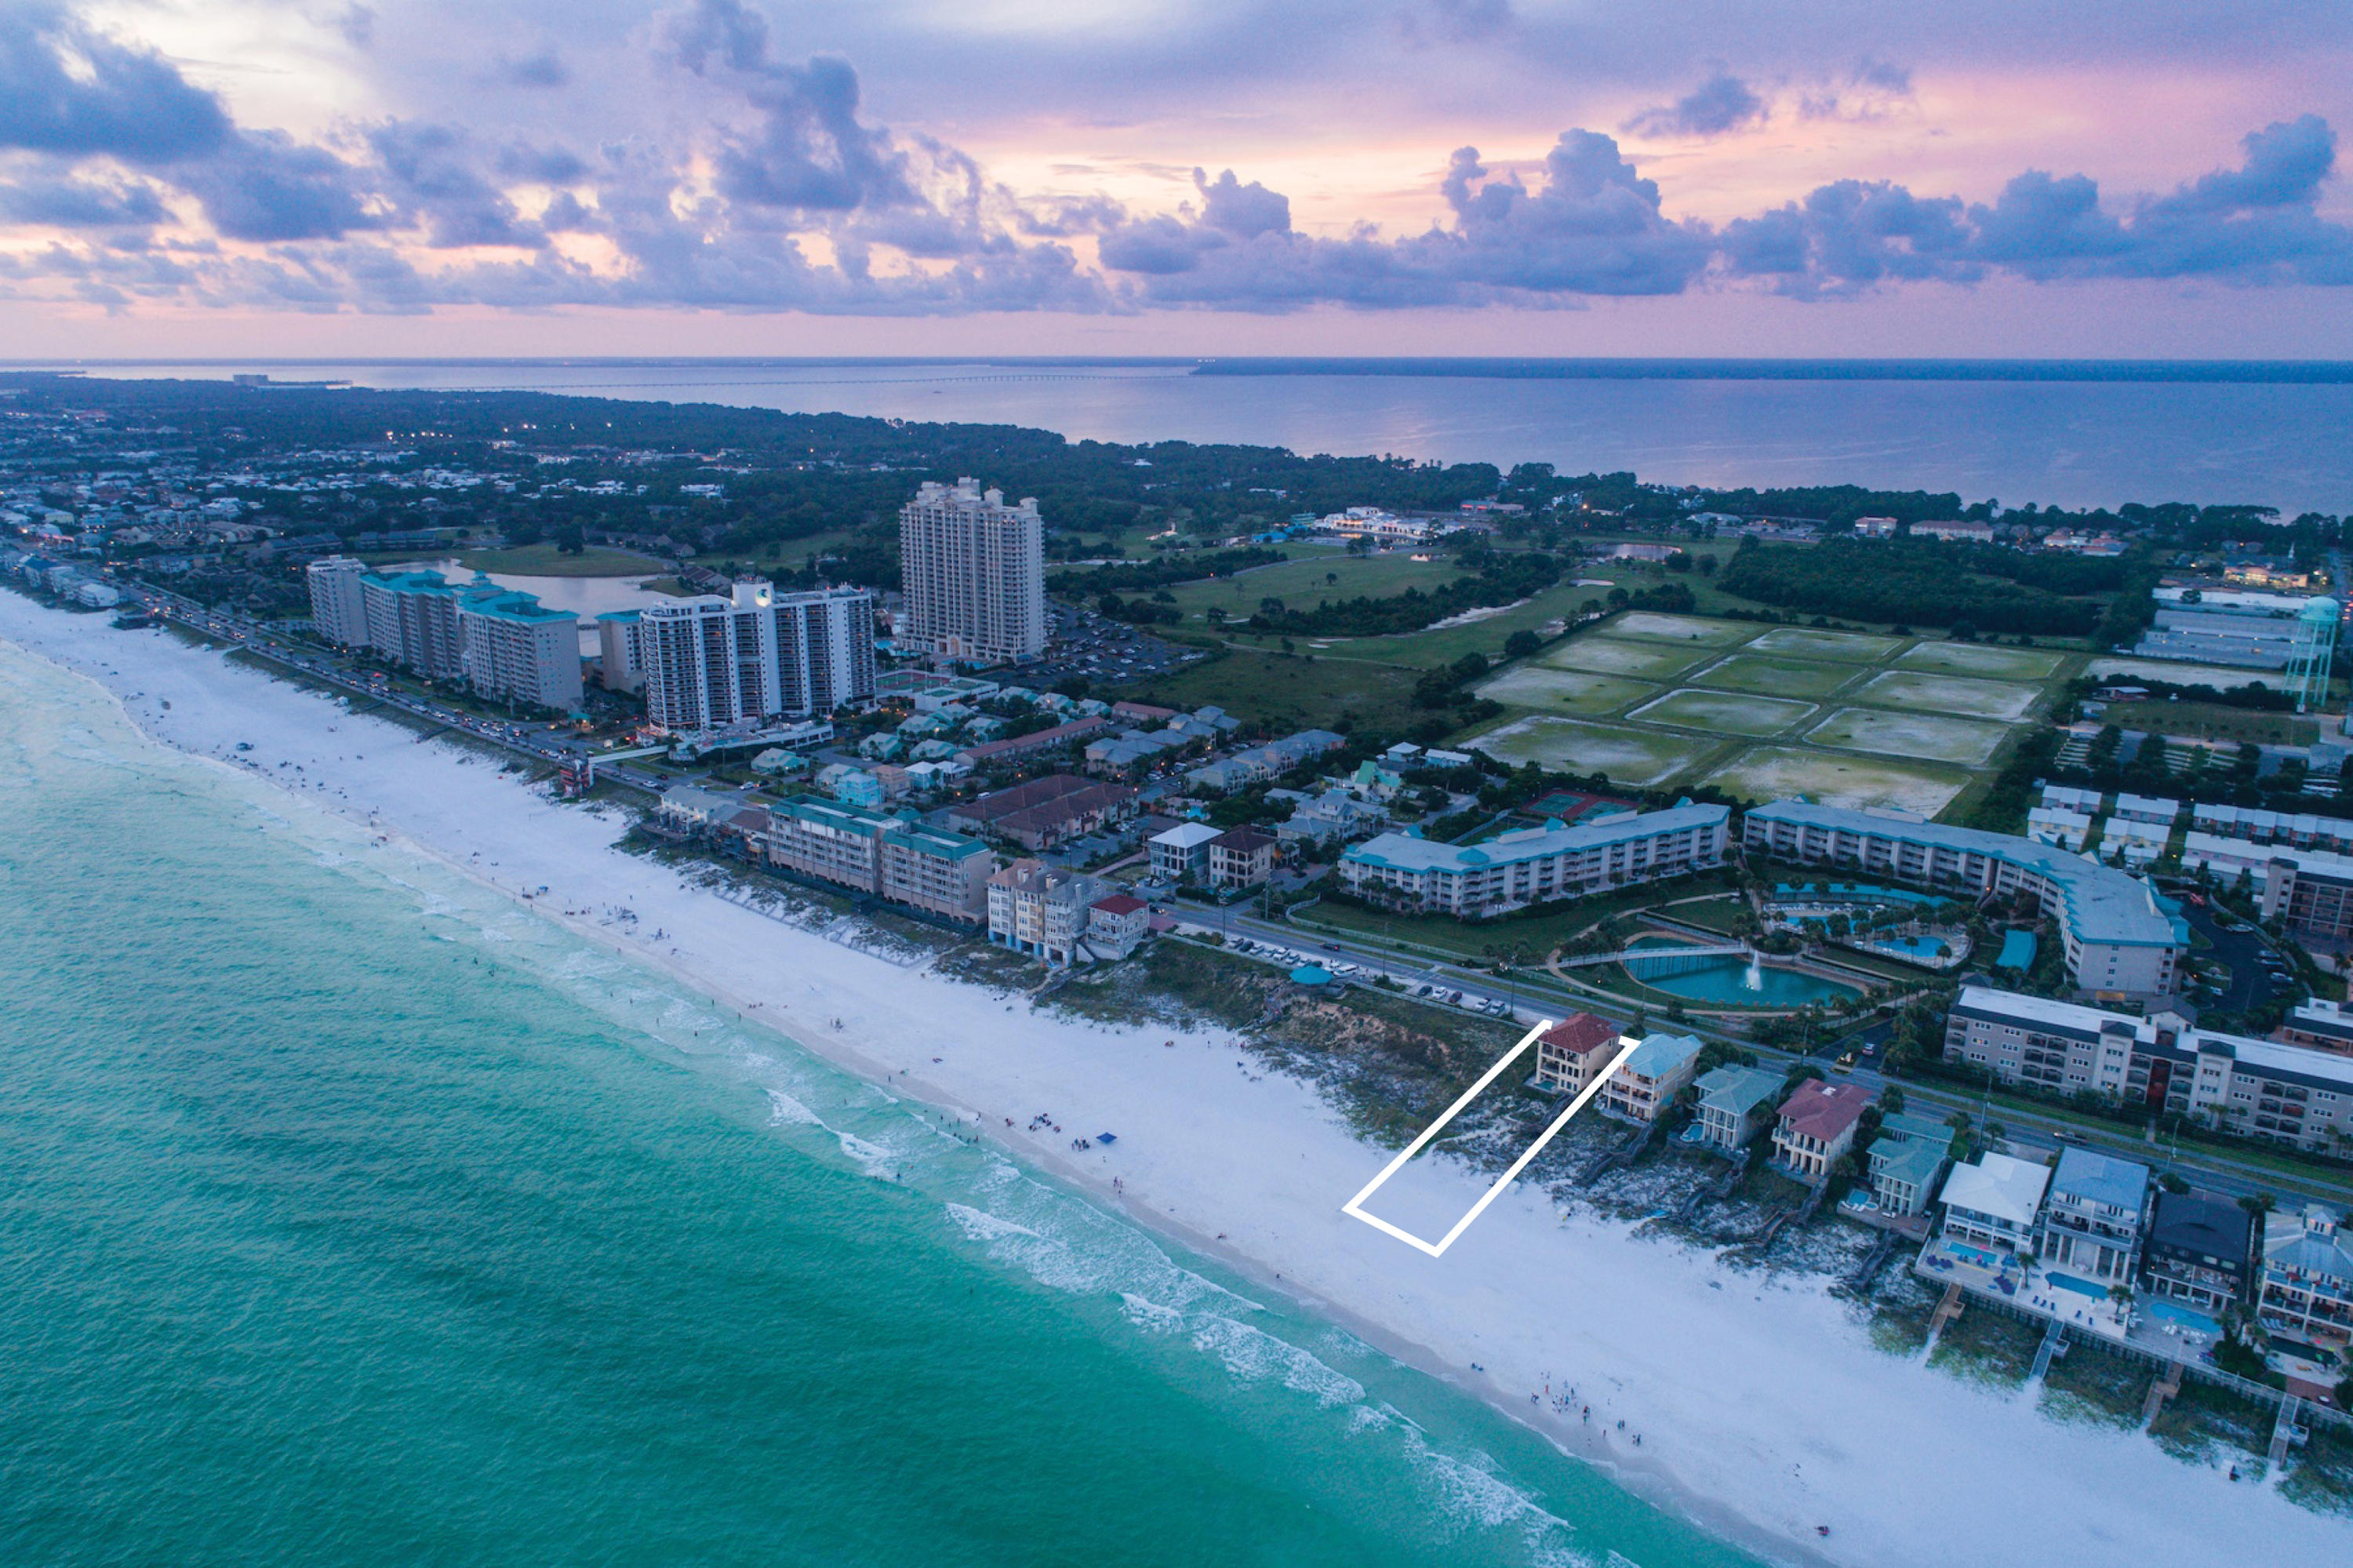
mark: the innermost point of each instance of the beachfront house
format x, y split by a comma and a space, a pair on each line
1118, 925
1182, 853
1816, 1127
688, 808
2200, 1250
1993, 1202
1736, 1103
2307, 1289
2092, 1219
1573, 1051
1906, 1160
1242, 857
1659, 1069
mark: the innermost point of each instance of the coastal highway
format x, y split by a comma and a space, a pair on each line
1529, 996
2028, 1132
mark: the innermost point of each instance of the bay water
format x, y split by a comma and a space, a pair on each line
2016, 438
351, 1214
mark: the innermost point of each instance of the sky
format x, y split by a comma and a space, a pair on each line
2133, 178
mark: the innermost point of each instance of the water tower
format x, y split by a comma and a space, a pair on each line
2308, 662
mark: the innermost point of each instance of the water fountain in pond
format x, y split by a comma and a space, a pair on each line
1753, 977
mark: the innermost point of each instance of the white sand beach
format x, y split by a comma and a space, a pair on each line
1763, 1409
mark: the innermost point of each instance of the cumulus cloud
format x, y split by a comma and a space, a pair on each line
68, 89
766, 187
809, 150
1869, 89
1718, 106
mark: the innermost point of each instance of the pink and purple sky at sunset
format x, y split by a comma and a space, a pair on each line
1009, 177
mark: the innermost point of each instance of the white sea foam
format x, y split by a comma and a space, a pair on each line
983, 1226
1256, 1356
1150, 1315
786, 1111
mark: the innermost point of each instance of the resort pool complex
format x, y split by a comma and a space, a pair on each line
2080, 1286
2165, 1311
1726, 979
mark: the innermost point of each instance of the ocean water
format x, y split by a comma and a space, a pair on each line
354, 1215
2074, 443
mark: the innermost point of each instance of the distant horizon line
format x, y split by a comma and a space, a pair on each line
1488, 366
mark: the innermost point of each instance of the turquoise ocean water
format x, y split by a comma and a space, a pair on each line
351, 1215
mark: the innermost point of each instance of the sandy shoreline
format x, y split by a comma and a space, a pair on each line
1765, 1411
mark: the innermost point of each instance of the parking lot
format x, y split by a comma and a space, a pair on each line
1084, 645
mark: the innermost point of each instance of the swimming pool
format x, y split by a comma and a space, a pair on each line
1727, 979
2080, 1286
2180, 1317
1975, 1255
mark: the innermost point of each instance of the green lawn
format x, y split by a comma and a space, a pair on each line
1300, 583
1565, 691
1982, 659
546, 561
1638, 756
1843, 647
1724, 712
1777, 772
1774, 677
1601, 654
1958, 696
1927, 736
1292, 693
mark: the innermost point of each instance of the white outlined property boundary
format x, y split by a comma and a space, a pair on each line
1354, 1207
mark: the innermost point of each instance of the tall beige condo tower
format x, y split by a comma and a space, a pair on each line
975, 574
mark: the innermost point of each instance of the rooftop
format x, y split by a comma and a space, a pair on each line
2103, 905
1738, 1091
1403, 853
2100, 1178
1998, 1185
1822, 1110
2204, 1224
1581, 1034
1661, 1055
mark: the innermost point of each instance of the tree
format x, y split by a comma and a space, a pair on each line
1707, 565
2172, 1182
1520, 644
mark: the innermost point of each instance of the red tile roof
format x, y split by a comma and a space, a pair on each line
1580, 1035
1119, 904
1824, 1111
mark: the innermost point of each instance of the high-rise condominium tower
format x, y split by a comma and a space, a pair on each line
708, 662
975, 574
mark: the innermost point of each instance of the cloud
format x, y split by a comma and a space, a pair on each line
1721, 105
430, 169
545, 69
1850, 236
809, 151
1594, 227
68, 89
68, 203
267, 187
1871, 89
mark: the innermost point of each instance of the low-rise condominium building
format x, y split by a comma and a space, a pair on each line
895, 857
1182, 853
2122, 941
1042, 910
2253, 1088
1536, 864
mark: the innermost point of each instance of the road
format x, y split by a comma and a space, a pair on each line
1521, 998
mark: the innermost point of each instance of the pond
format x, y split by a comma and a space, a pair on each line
1729, 980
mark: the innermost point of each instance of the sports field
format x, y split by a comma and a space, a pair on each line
1957, 695
1774, 677
1777, 772
1722, 713
1627, 755
1567, 691
1932, 736
1844, 719
1605, 655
